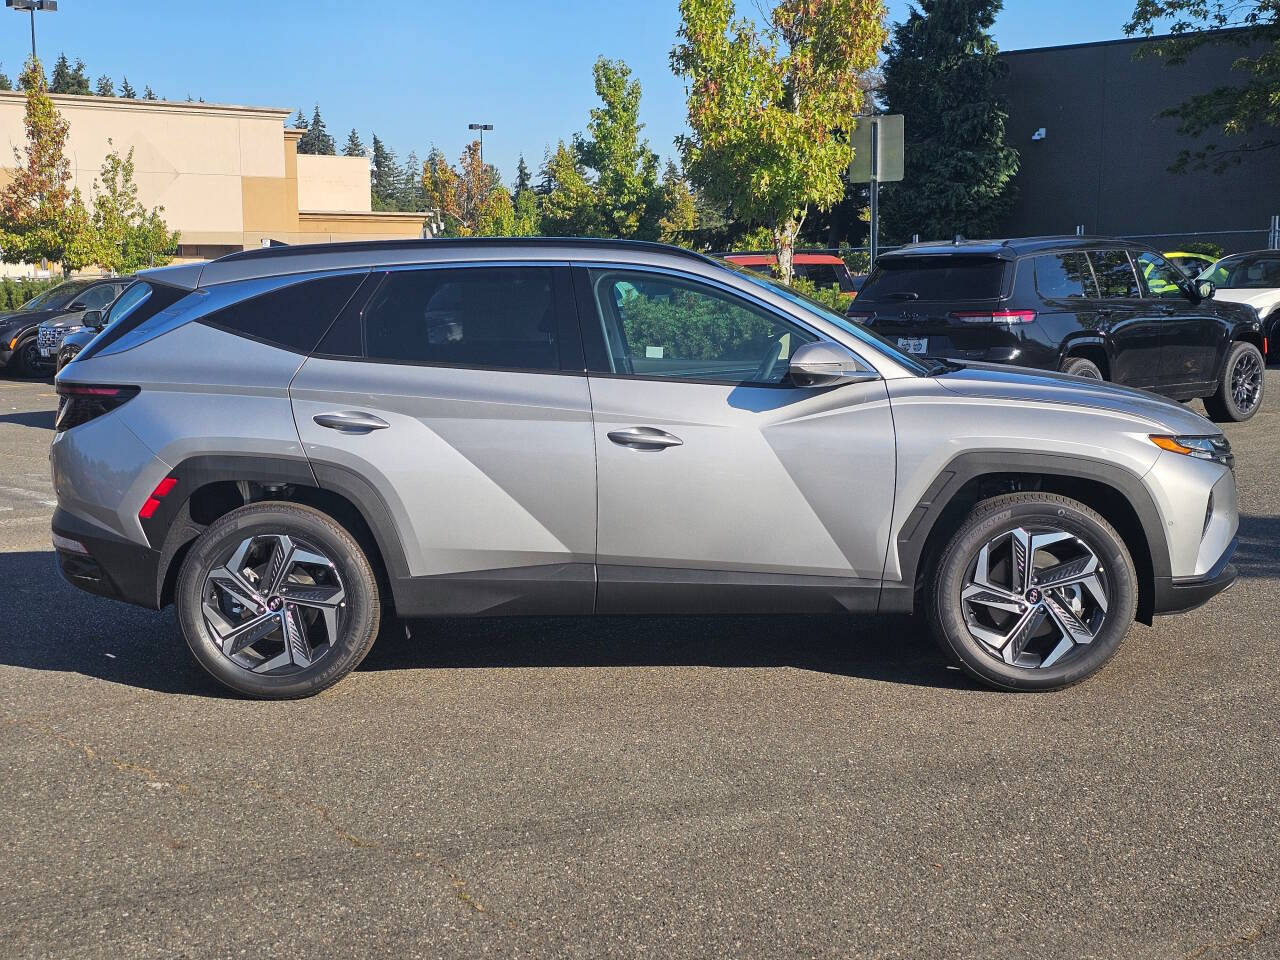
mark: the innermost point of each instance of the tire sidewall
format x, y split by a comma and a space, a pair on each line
1225, 392
1074, 365
984, 526
361, 598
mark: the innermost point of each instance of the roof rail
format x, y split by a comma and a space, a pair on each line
358, 246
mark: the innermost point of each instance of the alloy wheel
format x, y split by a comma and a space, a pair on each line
275, 606
1035, 596
1246, 381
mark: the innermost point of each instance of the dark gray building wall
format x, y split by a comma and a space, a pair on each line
1105, 157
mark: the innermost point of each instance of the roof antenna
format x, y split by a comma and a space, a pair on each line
959, 238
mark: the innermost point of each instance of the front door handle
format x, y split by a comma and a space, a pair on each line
351, 421
644, 438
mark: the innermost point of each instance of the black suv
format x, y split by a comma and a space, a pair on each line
1096, 308
19, 348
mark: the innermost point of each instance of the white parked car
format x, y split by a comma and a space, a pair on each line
1253, 279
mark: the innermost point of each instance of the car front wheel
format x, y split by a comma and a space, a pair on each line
1035, 591
1239, 393
277, 601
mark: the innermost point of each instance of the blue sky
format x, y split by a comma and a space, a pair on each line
417, 71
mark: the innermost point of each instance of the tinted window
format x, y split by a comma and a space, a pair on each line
123, 319
1160, 277
934, 278
294, 317
1063, 276
825, 275
133, 295
471, 316
96, 298
663, 326
55, 297
1115, 274
1246, 271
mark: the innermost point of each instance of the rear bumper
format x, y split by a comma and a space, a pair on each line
112, 568
1178, 594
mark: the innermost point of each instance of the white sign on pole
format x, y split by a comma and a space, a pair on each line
878, 141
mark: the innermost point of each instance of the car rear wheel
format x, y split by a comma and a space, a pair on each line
1239, 393
277, 601
1080, 367
1034, 592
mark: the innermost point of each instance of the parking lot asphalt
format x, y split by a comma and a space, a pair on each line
769, 787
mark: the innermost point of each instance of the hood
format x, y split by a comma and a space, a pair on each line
57, 319
1034, 386
28, 319
1260, 300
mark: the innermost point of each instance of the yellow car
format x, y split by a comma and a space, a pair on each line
1190, 263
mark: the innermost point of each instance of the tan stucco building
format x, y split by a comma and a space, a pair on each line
228, 177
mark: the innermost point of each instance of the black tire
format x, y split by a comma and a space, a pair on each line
358, 620
65, 357
1082, 367
988, 521
1239, 393
26, 360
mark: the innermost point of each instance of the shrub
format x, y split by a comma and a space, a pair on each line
15, 292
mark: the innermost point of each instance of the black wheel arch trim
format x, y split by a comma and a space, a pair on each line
913, 536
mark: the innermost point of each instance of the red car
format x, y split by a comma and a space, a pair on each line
820, 269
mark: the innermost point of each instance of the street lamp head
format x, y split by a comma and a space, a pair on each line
50, 5
479, 126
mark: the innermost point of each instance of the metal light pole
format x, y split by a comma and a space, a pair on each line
482, 127
31, 6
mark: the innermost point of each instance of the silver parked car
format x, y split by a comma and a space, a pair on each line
290, 443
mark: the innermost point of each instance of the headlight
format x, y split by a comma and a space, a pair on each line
1215, 449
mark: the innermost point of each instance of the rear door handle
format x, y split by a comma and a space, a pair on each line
351, 421
644, 438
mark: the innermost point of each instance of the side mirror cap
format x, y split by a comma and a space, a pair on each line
825, 364
1205, 289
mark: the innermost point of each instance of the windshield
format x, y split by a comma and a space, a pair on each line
54, 297
1245, 271
862, 334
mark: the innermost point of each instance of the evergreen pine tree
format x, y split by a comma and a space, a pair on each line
299, 123
126, 91
149, 94
384, 181
80, 80
5, 82
105, 87
523, 180
411, 193
316, 139
61, 81
353, 147
942, 73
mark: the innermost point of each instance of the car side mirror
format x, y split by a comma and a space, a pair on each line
92, 318
826, 364
1205, 289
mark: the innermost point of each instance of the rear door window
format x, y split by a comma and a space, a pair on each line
497, 317
935, 278
1064, 276
1116, 279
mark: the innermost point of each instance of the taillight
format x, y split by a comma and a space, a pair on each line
995, 316
80, 402
859, 317
152, 503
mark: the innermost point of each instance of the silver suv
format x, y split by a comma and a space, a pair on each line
290, 444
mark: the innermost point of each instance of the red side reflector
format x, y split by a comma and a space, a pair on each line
152, 503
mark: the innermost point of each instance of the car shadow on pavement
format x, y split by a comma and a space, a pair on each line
30, 418
49, 625
1258, 554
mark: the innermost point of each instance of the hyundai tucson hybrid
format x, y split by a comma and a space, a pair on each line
20, 349
1103, 309
291, 445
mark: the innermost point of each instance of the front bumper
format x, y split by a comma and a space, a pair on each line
112, 568
1178, 594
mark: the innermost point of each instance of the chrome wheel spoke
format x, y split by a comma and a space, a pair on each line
1064, 574
247, 634
992, 596
278, 565
1021, 633
296, 637
1021, 546
1070, 625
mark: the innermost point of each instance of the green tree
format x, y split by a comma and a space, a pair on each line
523, 181
127, 236
626, 170
61, 81
317, 139
42, 216
105, 87
943, 75
80, 80
1246, 114
568, 207
527, 219
679, 209
353, 147
299, 123
5, 82
411, 196
127, 91
770, 109
384, 181
440, 188
149, 94
495, 214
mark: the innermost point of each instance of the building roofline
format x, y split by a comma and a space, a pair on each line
1123, 40
155, 106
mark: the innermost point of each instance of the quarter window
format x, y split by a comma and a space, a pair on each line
293, 317
1161, 278
471, 316
1063, 276
663, 326
1116, 278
